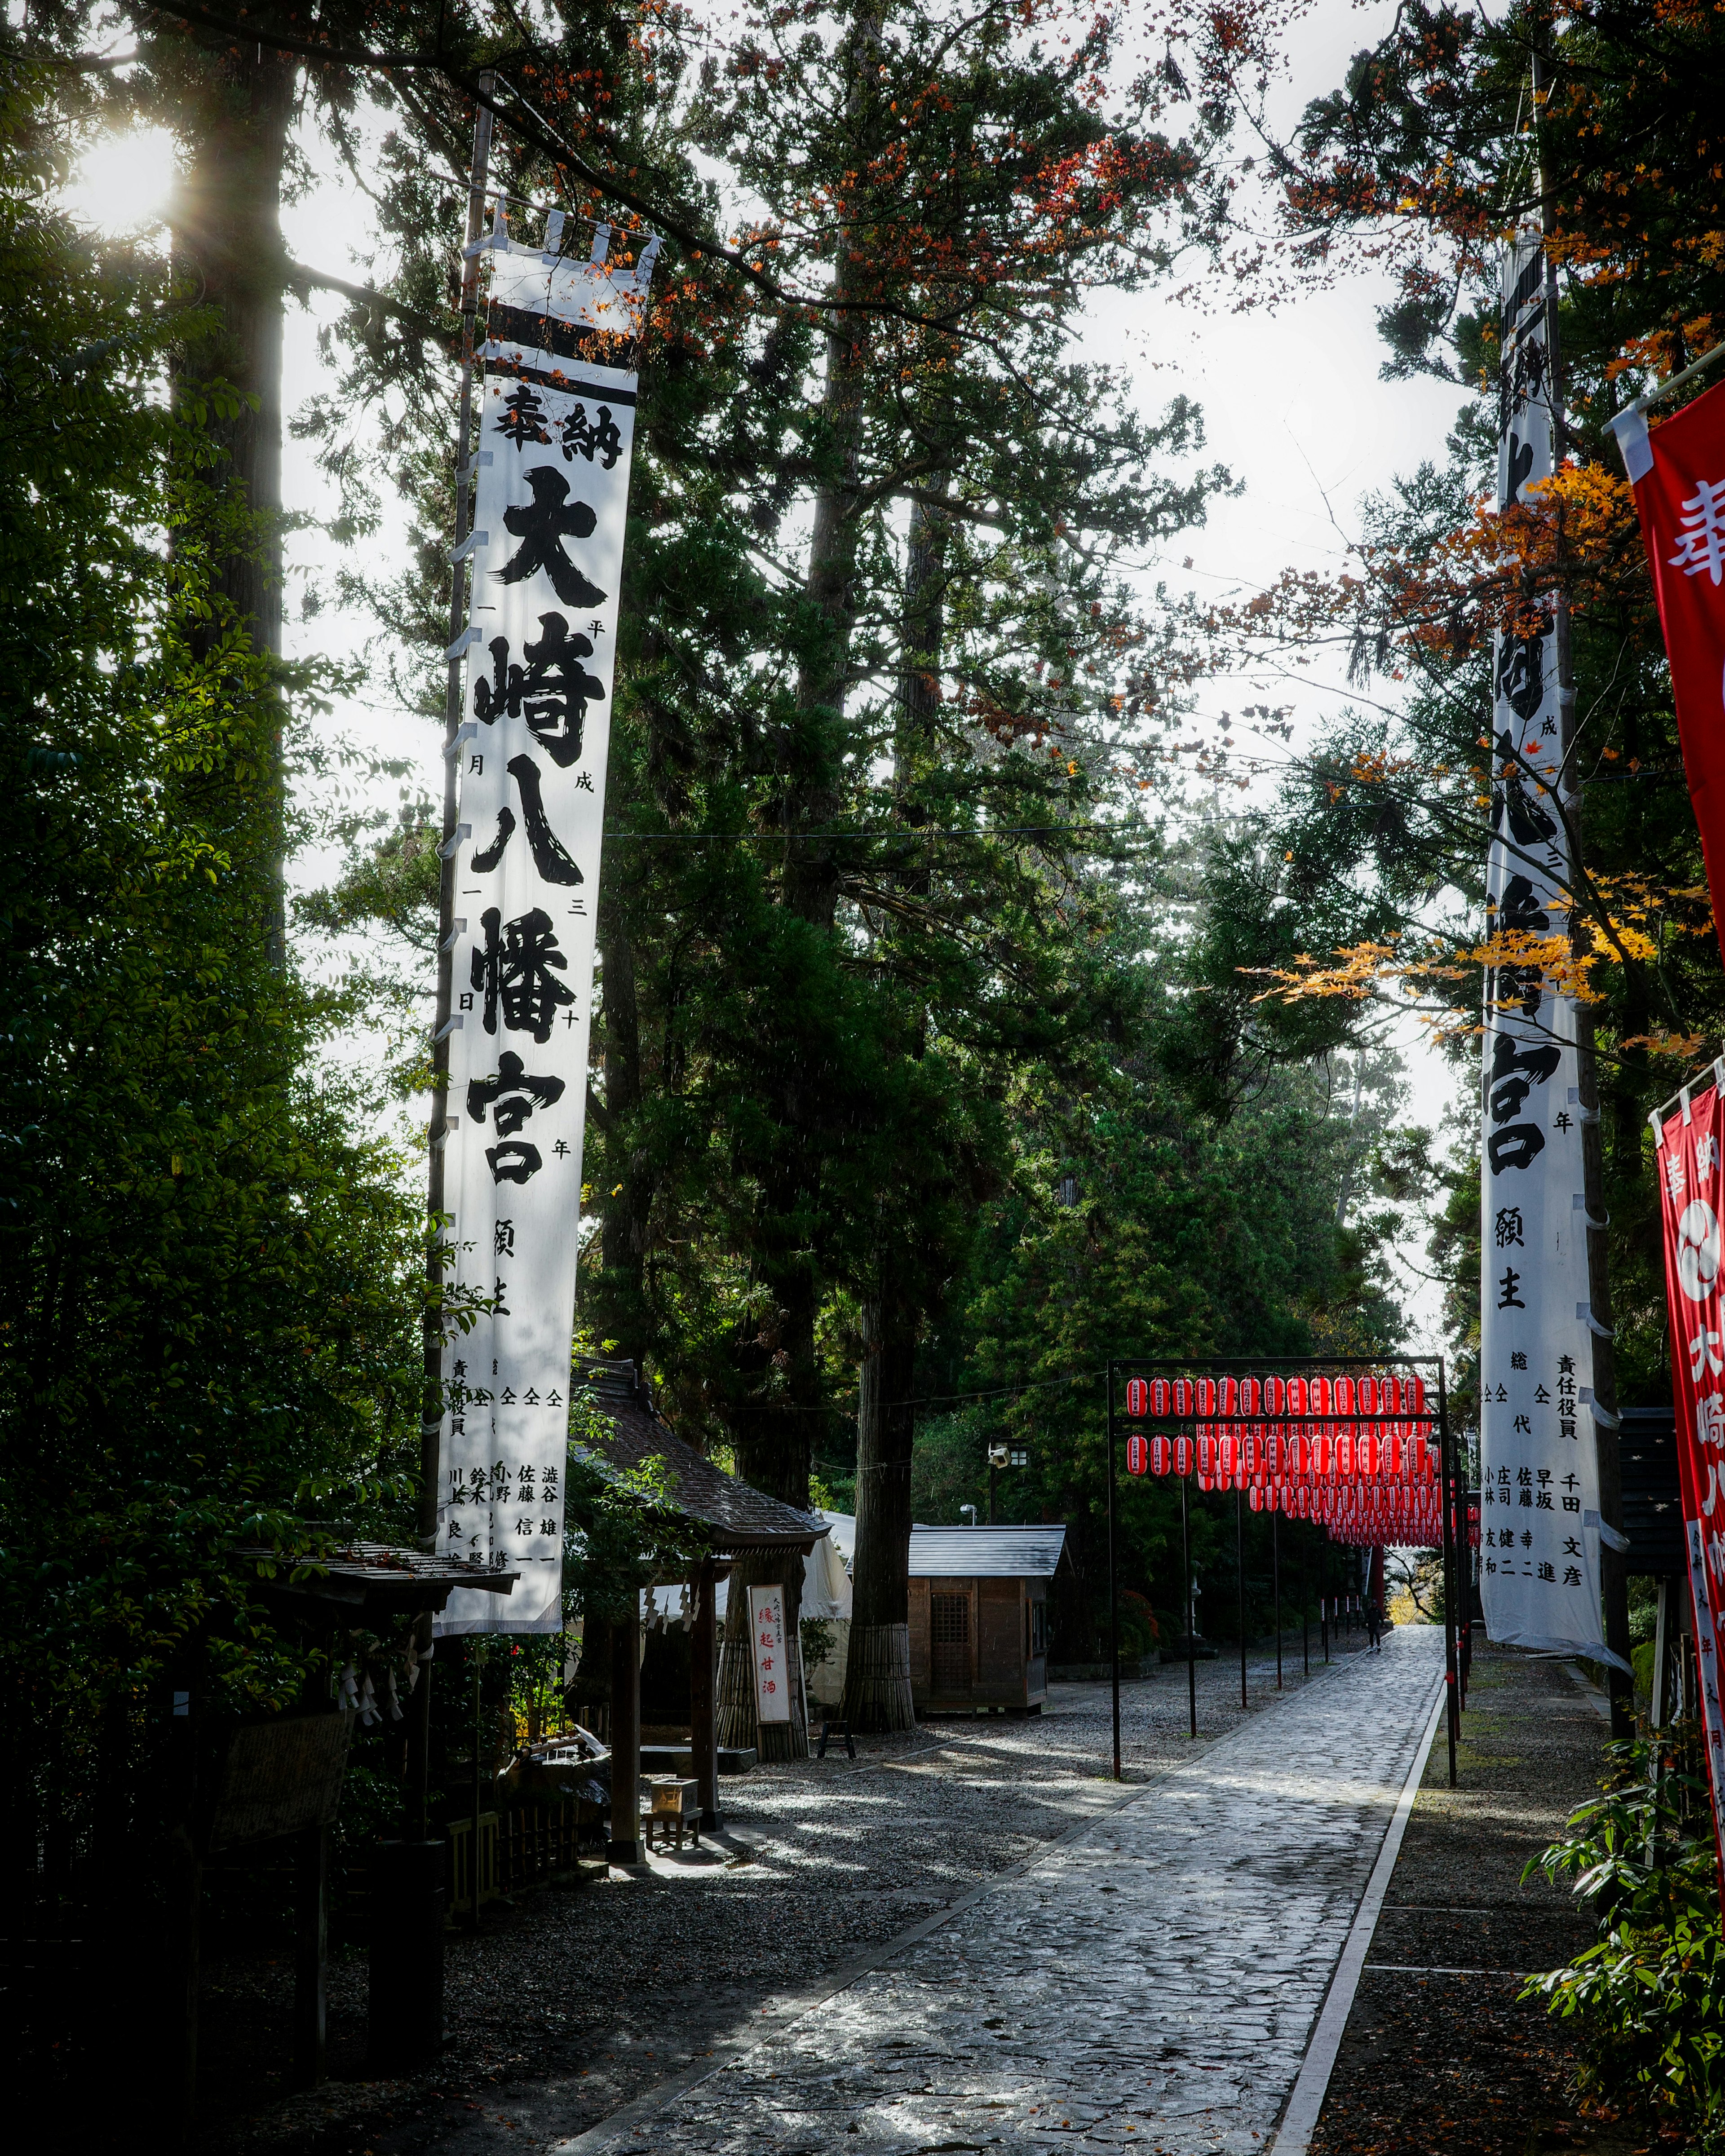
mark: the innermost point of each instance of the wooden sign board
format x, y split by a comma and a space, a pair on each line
772, 1678
279, 1777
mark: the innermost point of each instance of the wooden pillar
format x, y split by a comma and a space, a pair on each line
183, 1911
311, 1939
185, 1895
704, 1691
626, 1739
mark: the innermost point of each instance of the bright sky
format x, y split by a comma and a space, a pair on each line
1292, 402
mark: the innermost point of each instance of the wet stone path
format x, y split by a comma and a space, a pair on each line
1149, 1982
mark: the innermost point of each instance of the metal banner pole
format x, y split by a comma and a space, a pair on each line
1306, 1604
406, 1989
1275, 1576
1186, 1577
431, 1410
1113, 1591
1239, 1583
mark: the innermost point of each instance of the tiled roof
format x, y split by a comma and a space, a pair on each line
737, 1515
968, 1552
985, 1553
377, 1577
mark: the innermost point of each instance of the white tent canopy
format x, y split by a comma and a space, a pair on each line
826, 1584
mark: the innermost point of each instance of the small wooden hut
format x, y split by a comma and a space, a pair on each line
979, 1618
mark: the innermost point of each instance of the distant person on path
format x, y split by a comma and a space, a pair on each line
1374, 1626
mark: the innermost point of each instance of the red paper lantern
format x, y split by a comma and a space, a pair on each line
1159, 1396
1160, 1452
1249, 1404
1365, 1393
1254, 1498
1230, 1396
1137, 1398
1343, 1445
1275, 1397
1182, 1455
1206, 1396
1137, 1455
1344, 1396
1183, 1396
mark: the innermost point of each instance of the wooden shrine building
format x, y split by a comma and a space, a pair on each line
736, 1519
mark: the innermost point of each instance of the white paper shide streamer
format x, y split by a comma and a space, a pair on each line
555, 429
1539, 1532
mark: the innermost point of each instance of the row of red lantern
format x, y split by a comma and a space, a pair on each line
1366, 1518
1346, 1453
1418, 1524
1180, 1398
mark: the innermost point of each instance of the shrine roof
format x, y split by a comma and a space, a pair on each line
737, 1515
379, 1579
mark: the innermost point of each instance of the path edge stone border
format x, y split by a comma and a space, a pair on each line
1306, 2099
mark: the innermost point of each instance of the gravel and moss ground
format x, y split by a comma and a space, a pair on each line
1440, 2054
616, 1985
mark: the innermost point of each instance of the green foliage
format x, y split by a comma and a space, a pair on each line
211, 1340
1648, 2000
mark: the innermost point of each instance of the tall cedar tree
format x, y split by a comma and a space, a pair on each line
211, 1339
810, 981
1427, 156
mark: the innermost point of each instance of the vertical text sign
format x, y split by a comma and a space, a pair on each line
773, 1689
555, 431
1539, 1480
1692, 1189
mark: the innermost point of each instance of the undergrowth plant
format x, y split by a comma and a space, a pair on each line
1648, 1999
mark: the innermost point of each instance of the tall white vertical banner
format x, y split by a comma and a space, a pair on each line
1539, 1547
555, 429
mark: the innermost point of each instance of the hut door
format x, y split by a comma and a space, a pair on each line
950, 1625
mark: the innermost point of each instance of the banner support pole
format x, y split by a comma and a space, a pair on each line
431, 1409
1614, 1574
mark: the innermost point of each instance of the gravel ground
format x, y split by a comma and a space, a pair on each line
607, 1989
1440, 2053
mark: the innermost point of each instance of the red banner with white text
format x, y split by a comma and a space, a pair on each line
1690, 1151
1678, 473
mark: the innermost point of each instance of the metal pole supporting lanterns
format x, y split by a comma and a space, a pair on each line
1451, 1571
1275, 1578
1191, 1615
1323, 1600
1113, 1592
1239, 1583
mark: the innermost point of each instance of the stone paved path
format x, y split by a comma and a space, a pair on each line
1150, 1983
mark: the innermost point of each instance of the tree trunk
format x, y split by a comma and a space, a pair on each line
235, 109
626, 1217
877, 1672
